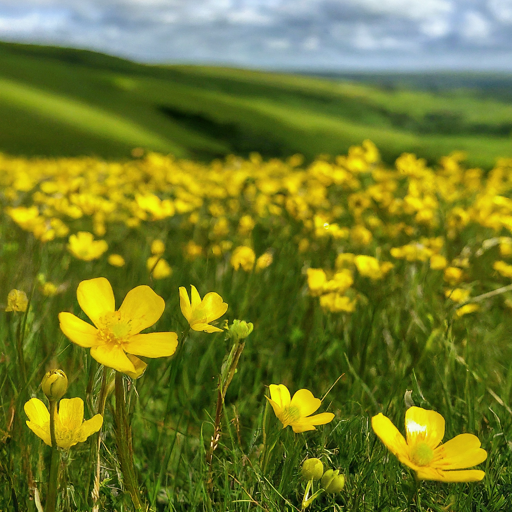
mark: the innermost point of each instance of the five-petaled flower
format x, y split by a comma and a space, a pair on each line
70, 427
115, 341
199, 313
423, 452
296, 411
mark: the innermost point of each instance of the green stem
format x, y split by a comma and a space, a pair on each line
20, 330
96, 447
123, 438
51, 500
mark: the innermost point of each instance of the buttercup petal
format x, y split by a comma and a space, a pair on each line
71, 412
186, 308
78, 331
390, 436
196, 298
143, 307
88, 428
470, 475
304, 400
280, 395
302, 426
201, 326
139, 365
42, 433
96, 298
214, 306
155, 344
277, 409
309, 423
37, 412
424, 424
113, 357
460, 452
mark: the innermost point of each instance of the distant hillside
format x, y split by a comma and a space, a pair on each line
64, 102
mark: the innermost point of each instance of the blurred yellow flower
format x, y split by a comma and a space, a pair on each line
296, 411
336, 303
438, 262
199, 313
84, 247
422, 451
316, 281
264, 261
70, 427
457, 294
453, 275
157, 247
244, 257
49, 289
467, 309
368, 266
502, 268
158, 267
17, 300
115, 339
116, 260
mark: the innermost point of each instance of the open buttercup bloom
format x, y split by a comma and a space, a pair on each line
70, 427
421, 449
296, 411
115, 338
200, 313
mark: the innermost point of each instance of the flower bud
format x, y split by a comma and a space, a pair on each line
332, 481
240, 329
54, 384
17, 301
312, 469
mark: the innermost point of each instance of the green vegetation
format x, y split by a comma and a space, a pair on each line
56, 101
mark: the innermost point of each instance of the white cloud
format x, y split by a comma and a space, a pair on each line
418, 10
29, 23
502, 10
475, 27
278, 44
311, 43
365, 38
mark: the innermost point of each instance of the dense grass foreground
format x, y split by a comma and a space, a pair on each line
364, 283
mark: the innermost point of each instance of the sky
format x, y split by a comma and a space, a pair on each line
310, 35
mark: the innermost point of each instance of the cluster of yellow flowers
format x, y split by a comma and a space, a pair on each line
375, 219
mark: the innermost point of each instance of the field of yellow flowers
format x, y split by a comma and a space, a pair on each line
255, 335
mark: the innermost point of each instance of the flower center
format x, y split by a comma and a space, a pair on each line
116, 330
290, 415
422, 454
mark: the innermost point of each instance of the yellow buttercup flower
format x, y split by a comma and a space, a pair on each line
422, 451
158, 267
84, 247
199, 313
244, 257
115, 339
70, 427
116, 260
296, 411
17, 300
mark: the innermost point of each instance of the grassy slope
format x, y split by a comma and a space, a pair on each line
57, 101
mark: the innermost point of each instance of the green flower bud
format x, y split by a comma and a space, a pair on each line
240, 329
54, 384
312, 469
332, 481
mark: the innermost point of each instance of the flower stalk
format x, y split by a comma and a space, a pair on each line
51, 499
124, 445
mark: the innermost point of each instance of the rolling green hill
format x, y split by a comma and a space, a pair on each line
65, 102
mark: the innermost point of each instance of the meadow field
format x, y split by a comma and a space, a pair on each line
368, 290
67, 102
